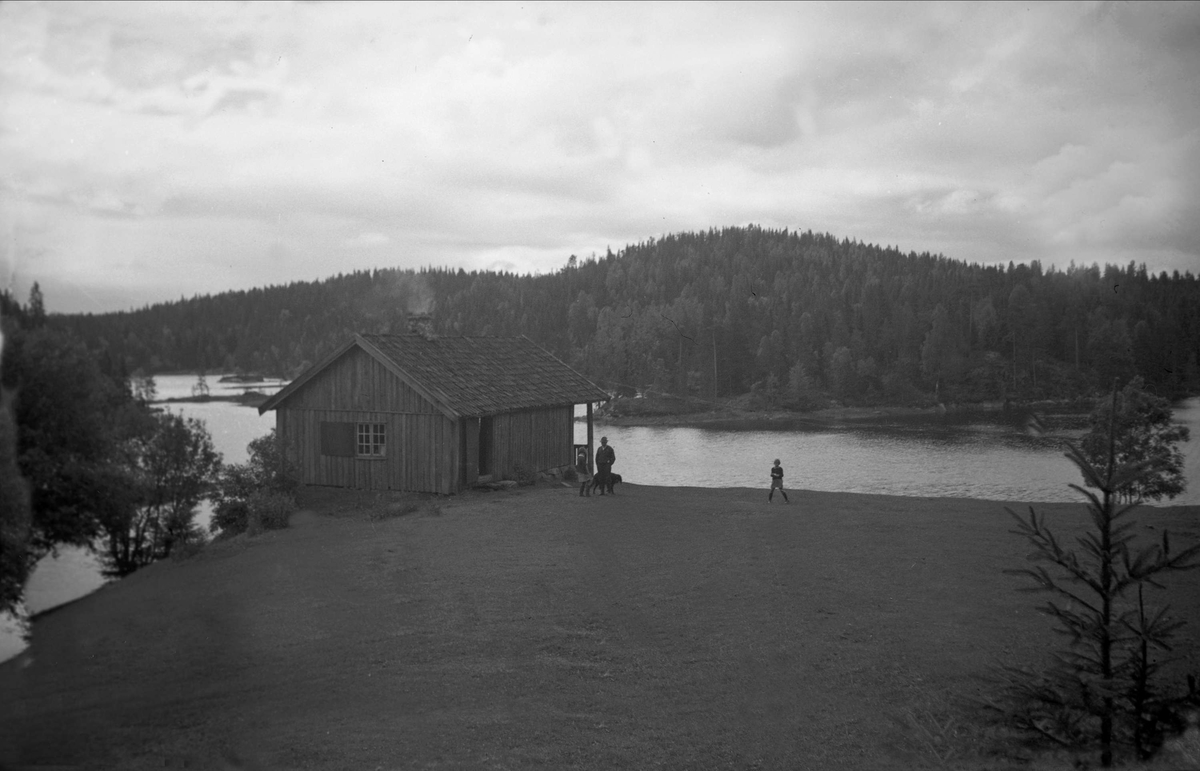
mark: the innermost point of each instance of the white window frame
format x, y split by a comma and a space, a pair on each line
371, 440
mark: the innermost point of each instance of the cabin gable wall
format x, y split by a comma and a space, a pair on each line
359, 381
422, 452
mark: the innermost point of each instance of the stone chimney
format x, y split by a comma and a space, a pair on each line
421, 324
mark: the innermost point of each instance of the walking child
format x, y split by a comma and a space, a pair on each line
777, 481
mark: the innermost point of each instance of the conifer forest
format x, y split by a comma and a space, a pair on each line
795, 318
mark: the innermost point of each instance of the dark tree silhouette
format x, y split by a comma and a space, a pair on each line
688, 313
172, 467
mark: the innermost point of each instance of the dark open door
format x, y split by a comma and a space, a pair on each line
470, 450
485, 446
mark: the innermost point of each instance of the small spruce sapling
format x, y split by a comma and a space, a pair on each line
1099, 691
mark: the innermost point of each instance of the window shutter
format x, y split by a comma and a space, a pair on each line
337, 439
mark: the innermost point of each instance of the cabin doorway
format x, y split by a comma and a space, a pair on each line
485, 447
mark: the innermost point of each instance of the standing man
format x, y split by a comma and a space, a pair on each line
605, 458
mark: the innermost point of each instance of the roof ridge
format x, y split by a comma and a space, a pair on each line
478, 375
445, 337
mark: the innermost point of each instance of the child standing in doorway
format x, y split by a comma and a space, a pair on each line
777, 482
581, 469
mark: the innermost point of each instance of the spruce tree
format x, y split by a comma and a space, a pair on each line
1101, 690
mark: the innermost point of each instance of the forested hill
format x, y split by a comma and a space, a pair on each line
793, 317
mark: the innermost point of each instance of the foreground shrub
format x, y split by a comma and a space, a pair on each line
1101, 690
258, 493
268, 510
189, 547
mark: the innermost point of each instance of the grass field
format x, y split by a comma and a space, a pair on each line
662, 628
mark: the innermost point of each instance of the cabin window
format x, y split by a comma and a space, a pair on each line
372, 440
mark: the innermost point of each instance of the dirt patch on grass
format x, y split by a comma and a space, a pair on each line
660, 628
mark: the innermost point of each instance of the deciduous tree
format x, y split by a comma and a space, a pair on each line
1140, 430
71, 421
15, 518
173, 466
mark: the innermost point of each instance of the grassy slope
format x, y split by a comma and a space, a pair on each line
665, 627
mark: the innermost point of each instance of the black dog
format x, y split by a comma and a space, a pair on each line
602, 480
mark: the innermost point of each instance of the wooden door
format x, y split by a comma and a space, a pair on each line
486, 443
469, 443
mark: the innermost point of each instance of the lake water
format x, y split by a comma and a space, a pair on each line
955, 456
934, 456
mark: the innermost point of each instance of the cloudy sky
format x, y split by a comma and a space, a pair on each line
151, 151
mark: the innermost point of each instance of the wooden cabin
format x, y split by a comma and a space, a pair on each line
430, 414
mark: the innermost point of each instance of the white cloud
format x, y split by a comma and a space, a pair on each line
372, 134
366, 240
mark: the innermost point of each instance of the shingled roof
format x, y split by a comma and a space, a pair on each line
470, 376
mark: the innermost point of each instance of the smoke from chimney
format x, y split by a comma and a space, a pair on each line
421, 324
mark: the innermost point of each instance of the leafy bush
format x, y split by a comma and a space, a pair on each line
189, 546
268, 510
252, 494
230, 517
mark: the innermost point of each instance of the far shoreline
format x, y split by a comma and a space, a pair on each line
246, 399
733, 417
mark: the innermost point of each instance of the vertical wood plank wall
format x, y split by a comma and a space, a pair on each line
541, 439
357, 381
426, 451
422, 451
422, 443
